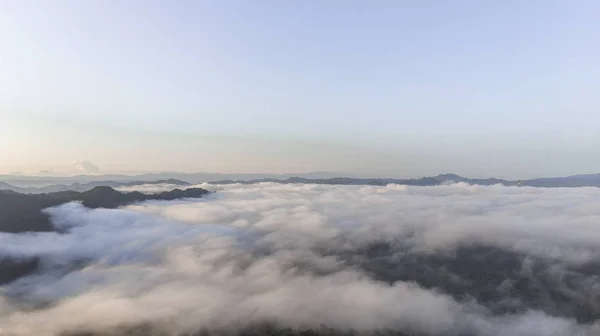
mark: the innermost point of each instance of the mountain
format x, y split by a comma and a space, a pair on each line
589, 180
37, 184
193, 178
86, 186
22, 212
6, 186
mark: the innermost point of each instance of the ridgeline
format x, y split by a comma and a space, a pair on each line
23, 212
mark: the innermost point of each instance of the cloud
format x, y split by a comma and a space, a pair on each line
151, 188
444, 260
86, 167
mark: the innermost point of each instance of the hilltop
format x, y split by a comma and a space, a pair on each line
23, 212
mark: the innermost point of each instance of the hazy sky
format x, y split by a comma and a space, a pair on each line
396, 88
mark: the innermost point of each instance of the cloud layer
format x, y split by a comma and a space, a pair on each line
444, 260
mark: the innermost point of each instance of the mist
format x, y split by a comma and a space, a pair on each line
445, 260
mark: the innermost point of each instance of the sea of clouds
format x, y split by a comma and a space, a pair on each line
443, 260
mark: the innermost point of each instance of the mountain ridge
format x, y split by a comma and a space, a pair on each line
23, 212
81, 187
573, 181
78, 183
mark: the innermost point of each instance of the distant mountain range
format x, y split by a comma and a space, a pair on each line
81, 187
589, 180
43, 184
193, 178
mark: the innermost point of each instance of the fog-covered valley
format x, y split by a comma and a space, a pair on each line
274, 258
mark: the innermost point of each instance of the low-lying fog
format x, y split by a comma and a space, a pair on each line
444, 260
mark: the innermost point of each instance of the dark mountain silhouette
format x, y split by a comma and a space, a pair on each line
22, 212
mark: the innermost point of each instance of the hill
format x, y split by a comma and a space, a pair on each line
22, 212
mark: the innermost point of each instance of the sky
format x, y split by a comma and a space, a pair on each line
381, 88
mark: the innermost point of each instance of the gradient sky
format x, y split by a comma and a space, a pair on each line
394, 88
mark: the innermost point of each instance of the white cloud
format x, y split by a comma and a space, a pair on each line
150, 188
279, 253
86, 167
548, 222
